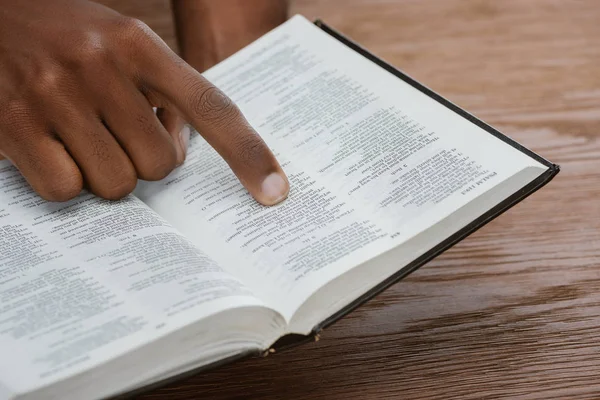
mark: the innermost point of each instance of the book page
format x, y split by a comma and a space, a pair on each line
86, 280
266, 247
371, 161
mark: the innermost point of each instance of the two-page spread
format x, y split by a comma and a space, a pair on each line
191, 271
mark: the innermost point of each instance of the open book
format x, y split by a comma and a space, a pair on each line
99, 298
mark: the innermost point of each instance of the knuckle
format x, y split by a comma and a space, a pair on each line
62, 188
118, 187
131, 30
100, 149
91, 52
250, 149
211, 104
49, 80
158, 164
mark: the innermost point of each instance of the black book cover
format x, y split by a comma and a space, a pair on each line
293, 340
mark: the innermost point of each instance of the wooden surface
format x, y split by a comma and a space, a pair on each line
514, 310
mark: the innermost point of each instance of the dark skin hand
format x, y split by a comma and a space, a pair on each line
209, 31
77, 85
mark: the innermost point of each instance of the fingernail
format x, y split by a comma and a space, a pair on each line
184, 142
274, 189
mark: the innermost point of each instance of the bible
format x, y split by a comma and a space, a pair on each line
101, 298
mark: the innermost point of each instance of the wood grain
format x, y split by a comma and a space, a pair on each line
514, 310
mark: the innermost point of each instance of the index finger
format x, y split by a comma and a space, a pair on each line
222, 124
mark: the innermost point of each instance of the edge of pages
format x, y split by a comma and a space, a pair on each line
294, 340
158, 384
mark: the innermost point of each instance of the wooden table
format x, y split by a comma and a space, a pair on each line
514, 310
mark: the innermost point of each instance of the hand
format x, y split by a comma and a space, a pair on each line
209, 31
77, 85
